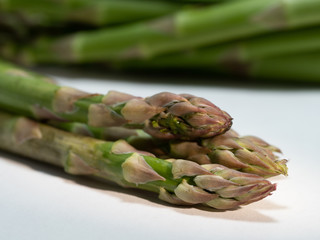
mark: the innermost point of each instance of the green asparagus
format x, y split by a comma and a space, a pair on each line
246, 154
94, 12
184, 30
164, 115
299, 67
176, 181
240, 52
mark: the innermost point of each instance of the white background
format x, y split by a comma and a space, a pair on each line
39, 201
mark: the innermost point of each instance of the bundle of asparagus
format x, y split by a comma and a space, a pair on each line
220, 169
177, 181
259, 39
177, 145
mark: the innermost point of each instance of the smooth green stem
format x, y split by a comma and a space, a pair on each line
94, 12
22, 91
266, 46
184, 30
299, 68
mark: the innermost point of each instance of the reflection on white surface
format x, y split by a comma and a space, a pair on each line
42, 202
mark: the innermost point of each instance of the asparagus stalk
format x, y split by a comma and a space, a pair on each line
94, 12
248, 154
184, 30
135, 137
177, 181
164, 115
239, 52
299, 67
203, 1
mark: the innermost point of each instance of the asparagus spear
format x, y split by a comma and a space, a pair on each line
246, 154
239, 52
299, 67
184, 30
163, 115
94, 12
176, 181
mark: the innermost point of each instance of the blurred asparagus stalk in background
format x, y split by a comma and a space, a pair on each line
183, 30
289, 55
300, 67
239, 52
94, 12
178, 181
229, 37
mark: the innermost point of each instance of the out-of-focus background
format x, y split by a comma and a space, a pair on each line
268, 39
258, 60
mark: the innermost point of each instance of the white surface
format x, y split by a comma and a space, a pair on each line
42, 202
